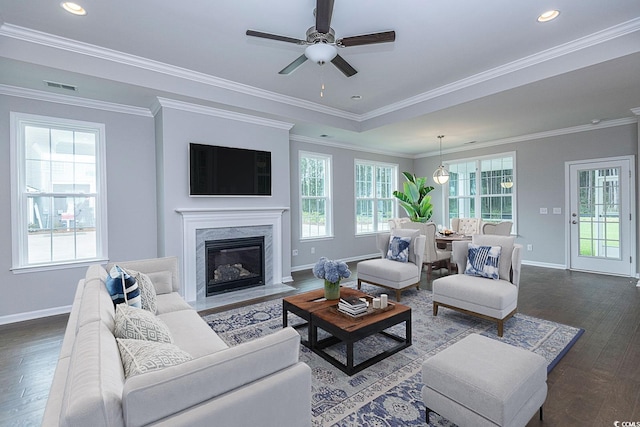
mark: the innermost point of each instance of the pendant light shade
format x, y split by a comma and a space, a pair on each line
441, 175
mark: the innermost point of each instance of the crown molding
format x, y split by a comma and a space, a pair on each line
346, 146
216, 112
57, 42
40, 95
538, 135
517, 65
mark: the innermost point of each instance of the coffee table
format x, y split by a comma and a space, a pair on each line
320, 313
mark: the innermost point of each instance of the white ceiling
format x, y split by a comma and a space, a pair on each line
484, 72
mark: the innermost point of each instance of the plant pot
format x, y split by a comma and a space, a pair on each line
331, 290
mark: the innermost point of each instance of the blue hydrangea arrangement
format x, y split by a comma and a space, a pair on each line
331, 271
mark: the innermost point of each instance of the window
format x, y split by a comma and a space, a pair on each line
58, 206
375, 203
315, 195
482, 188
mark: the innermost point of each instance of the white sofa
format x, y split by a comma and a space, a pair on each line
258, 383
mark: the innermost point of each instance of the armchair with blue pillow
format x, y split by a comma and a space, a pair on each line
487, 285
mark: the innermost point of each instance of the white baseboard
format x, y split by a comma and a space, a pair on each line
351, 259
21, 317
544, 264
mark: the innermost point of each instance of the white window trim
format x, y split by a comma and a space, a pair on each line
329, 197
18, 227
477, 197
355, 193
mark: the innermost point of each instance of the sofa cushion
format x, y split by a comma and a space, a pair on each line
139, 324
139, 356
191, 333
398, 248
162, 281
479, 291
483, 261
147, 290
171, 302
123, 287
95, 303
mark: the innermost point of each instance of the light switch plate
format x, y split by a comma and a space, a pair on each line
544, 211
557, 211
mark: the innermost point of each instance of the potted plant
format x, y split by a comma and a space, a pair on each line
415, 199
332, 272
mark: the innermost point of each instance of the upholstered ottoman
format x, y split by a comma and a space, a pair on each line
479, 381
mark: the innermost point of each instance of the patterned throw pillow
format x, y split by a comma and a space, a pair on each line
483, 261
139, 357
147, 290
135, 323
123, 288
399, 248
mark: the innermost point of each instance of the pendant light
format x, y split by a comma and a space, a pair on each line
441, 175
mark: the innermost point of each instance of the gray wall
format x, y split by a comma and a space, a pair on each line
344, 245
175, 130
131, 196
540, 169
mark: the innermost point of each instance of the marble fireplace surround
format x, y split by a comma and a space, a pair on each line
209, 224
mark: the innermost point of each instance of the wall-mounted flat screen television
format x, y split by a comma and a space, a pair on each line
226, 171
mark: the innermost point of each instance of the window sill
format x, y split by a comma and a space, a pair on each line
57, 266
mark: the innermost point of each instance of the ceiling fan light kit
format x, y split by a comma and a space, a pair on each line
321, 53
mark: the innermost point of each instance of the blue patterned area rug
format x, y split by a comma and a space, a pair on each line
389, 392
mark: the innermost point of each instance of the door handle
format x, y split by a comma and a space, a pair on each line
574, 222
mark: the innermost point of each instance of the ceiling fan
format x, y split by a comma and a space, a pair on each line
321, 41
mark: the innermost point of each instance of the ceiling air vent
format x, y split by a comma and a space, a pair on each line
60, 86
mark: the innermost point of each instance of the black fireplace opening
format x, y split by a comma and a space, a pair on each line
234, 263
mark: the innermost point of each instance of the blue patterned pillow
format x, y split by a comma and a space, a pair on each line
483, 261
399, 248
123, 288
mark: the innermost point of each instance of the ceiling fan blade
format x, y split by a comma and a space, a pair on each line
384, 37
324, 9
294, 65
343, 66
274, 37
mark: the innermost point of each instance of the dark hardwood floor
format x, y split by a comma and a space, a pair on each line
595, 384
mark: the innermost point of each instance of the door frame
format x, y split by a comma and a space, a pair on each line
632, 209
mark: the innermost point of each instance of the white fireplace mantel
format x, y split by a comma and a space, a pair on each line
197, 219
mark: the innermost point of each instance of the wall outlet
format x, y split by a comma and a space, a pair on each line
294, 252
313, 250
529, 247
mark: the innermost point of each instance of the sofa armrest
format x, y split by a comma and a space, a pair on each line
155, 395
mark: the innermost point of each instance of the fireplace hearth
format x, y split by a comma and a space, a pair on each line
234, 263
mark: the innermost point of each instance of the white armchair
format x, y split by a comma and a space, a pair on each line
495, 300
433, 256
394, 275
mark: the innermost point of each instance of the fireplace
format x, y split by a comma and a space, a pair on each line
234, 263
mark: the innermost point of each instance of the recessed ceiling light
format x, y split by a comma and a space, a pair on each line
356, 97
548, 16
74, 8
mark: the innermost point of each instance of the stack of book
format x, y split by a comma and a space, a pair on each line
352, 306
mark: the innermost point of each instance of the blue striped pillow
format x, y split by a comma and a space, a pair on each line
123, 288
483, 261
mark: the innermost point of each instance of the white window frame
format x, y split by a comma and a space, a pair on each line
327, 197
19, 218
377, 228
478, 196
